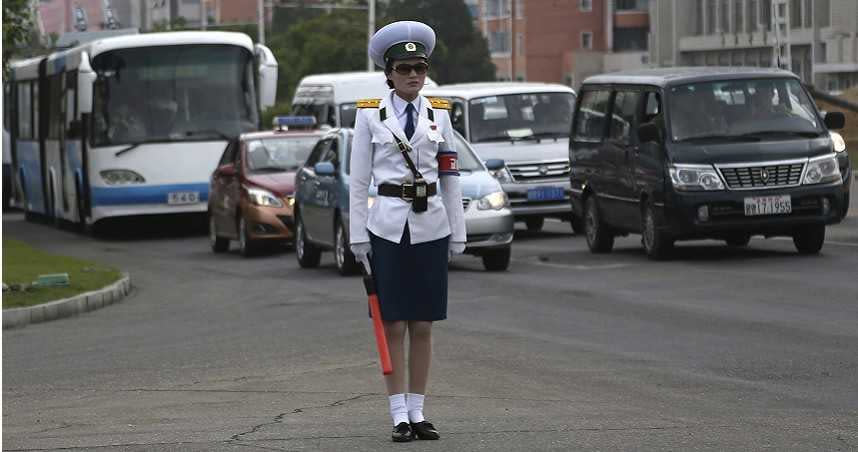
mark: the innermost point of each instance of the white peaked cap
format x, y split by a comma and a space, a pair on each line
397, 32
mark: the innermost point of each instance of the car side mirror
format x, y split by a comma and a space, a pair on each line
324, 169
835, 120
495, 164
227, 170
75, 129
648, 132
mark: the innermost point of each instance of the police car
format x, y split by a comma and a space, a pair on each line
251, 191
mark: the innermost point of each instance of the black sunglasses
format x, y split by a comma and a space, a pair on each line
405, 69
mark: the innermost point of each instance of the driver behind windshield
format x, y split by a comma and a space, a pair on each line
695, 113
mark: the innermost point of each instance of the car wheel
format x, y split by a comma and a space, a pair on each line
738, 240
656, 242
346, 263
577, 225
534, 224
497, 260
308, 255
599, 237
809, 239
219, 244
245, 244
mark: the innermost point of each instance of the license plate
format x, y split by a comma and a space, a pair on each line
183, 197
545, 194
768, 205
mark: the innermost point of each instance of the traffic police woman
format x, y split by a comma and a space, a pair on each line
403, 144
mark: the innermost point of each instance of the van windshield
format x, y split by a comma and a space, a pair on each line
741, 109
520, 116
324, 113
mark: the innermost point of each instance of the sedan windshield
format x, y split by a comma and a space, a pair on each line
741, 109
520, 116
173, 93
279, 154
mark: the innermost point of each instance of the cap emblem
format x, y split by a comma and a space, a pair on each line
411, 47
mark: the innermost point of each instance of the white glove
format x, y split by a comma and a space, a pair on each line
455, 248
362, 252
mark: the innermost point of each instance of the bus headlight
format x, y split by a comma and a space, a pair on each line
263, 198
497, 201
121, 177
821, 170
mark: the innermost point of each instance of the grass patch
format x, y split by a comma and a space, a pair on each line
22, 264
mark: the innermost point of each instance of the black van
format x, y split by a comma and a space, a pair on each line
705, 152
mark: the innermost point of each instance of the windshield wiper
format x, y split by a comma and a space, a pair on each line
805, 134
271, 168
129, 148
719, 137
193, 133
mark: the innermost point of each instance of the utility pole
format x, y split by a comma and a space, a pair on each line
204, 14
370, 30
260, 11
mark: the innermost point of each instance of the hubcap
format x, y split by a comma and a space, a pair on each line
591, 224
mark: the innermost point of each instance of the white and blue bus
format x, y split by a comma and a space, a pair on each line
132, 125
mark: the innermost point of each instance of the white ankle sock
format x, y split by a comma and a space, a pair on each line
398, 409
415, 407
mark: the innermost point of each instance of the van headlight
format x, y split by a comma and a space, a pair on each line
263, 198
497, 201
821, 170
121, 177
695, 177
837, 141
502, 175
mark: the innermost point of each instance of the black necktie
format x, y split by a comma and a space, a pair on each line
409, 121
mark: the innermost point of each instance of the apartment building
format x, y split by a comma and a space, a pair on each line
816, 39
562, 41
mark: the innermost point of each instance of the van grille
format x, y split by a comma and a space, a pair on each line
531, 171
764, 176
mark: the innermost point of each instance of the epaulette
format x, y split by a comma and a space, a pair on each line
368, 103
437, 102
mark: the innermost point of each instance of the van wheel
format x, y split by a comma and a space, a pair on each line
599, 237
809, 239
346, 263
577, 225
738, 240
308, 255
497, 260
534, 224
656, 242
219, 244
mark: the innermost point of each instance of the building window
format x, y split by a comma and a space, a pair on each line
473, 8
586, 40
519, 43
632, 5
630, 39
738, 17
751, 16
497, 8
498, 41
724, 26
585, 5
519, 9
711, 18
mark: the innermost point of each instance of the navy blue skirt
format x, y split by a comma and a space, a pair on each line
410, 280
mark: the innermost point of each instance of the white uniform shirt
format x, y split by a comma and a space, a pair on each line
376, 158
399, 106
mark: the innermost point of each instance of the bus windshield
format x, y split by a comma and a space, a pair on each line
173, 93
520, 116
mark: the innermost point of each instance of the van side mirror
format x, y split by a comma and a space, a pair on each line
648, 132
324, 169
835, 120
75, 129
85, 81
495, 164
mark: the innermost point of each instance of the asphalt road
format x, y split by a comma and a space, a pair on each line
718, 349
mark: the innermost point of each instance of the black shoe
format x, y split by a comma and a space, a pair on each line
424, 430
401, 433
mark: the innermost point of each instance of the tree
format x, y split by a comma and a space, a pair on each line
18, 29
461, 53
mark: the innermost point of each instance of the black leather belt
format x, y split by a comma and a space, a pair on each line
405, 191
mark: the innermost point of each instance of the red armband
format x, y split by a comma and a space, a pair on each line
448, 164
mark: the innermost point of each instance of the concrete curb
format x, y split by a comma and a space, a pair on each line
67, 307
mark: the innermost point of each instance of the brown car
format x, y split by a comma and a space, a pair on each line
251, 192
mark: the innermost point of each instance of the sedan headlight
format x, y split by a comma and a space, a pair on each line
121, 177
263, 198
502, 175
822, 169
291, 200
497, 200
695, 177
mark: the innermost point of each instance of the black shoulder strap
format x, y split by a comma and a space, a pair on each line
431, 114
382, 114
403, 149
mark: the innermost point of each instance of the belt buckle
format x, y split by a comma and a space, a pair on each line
405, 188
